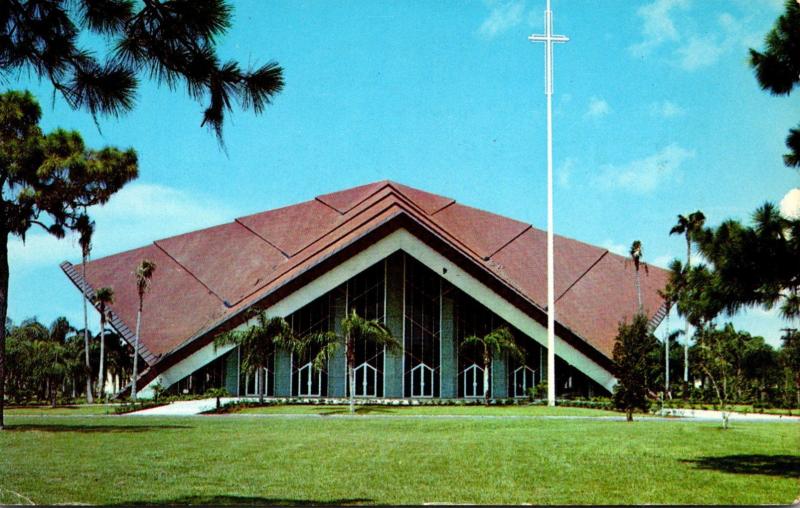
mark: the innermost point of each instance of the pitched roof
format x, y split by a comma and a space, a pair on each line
206, 277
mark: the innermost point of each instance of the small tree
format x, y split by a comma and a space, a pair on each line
633, 358
103, 297
258, 343
355, 329
716, 359
144, 274
495, 343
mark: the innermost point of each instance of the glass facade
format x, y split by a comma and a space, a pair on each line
430, 336
317, 316
366, 295
422, 314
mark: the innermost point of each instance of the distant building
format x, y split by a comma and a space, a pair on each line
433, 270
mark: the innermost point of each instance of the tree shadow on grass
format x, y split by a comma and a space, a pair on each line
787, 466
91, 428
228, 500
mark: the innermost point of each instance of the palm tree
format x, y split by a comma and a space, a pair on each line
144, 274
258, 343
355, 329
498, 341
637, 252
689, 227
85, 228
103, 297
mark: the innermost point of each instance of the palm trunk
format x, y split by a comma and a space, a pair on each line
3, 315
89, 398
686, 324
638, 291
351, 373
486, 363
666, 371
101, 377
136, 352
261, 381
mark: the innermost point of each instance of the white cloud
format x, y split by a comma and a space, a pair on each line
658, 26
665, 25
700, 52
666, 109
564, 172
790, 204
616, 248
502, 17
598, 108
663, 261
645, 175
137, 215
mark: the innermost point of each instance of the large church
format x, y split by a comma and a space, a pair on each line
432, 270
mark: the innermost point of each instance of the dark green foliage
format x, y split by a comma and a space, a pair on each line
48, 180
171, 41
777, 68
634, 358
753, 265
790, 361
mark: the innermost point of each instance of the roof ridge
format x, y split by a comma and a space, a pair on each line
191, 273
581, 276
237, 221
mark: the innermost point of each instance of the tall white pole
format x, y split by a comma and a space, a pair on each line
548, 38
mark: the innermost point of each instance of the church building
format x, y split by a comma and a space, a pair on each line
432, 270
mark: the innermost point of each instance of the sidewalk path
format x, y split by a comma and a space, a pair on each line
705, 414
183, 407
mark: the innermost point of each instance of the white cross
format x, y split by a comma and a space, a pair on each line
548, 39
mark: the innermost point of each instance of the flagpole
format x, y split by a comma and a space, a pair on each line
548, 38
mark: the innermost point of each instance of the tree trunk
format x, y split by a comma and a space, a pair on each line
629, 415
89, 398
686, 323
666, 370
486, 363
260, 381
638, 291
136, 352
351, 373
3, 315
101, 377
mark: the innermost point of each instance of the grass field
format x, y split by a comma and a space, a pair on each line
246, 460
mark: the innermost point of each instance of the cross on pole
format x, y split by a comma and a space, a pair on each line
549, 39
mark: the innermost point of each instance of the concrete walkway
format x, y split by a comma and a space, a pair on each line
705, 414
183, 407
194, 407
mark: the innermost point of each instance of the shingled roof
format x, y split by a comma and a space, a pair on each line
206, 278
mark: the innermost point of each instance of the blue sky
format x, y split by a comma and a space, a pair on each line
656, 113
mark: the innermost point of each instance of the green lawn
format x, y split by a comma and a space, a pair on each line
222, 459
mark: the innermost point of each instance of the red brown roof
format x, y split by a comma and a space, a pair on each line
205, 279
